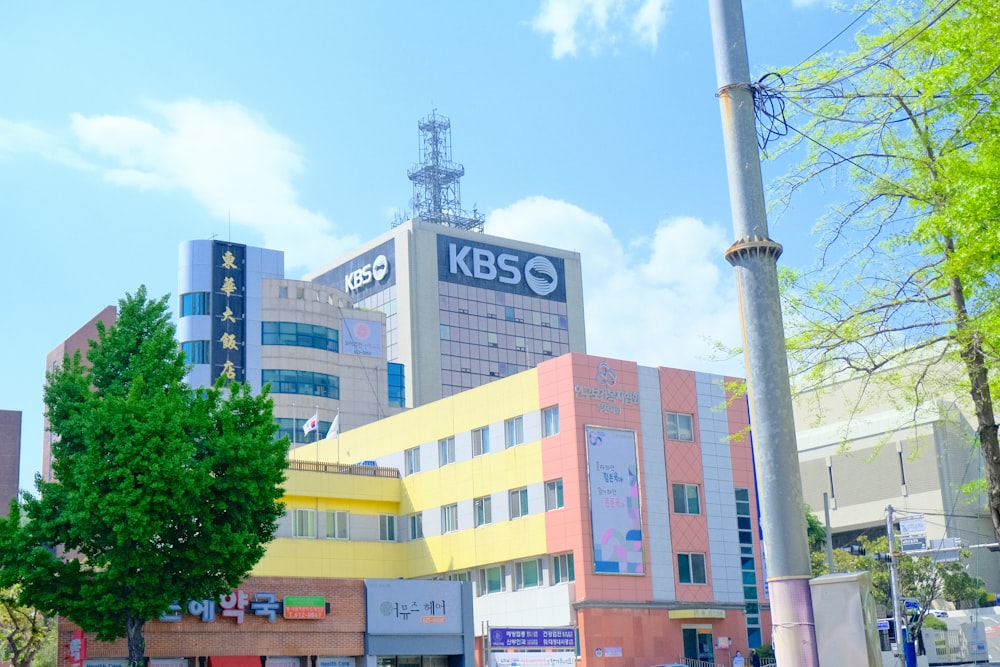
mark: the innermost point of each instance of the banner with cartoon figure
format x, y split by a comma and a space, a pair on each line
613, 475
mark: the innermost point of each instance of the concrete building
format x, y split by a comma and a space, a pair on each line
591, 494
463, 308
240, 317
867, 451
10, 457
79, 341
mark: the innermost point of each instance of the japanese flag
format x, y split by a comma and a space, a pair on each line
311, 424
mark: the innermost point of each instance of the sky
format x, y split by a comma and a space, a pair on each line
590, 125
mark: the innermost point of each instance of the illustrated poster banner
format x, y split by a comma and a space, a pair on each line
612, 470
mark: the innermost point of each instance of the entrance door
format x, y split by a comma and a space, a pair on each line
705, 650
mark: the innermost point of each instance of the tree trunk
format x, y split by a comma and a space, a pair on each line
970, 344
136, 642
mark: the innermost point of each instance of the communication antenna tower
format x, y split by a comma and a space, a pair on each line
437, 194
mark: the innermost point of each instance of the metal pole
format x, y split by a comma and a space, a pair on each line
894, 582
829, 532
754, 256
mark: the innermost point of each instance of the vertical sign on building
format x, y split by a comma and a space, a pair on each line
229, 310
613, 476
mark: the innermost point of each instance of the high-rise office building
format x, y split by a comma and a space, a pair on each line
463, 308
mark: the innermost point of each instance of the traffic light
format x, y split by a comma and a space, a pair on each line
854, 549
883, 558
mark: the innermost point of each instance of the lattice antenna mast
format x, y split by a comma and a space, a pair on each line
437, 194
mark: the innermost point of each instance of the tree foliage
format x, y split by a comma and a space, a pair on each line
23, 630
162, 493
908, 126
920, 578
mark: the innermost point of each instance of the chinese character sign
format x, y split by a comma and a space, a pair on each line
228, 310
613, 476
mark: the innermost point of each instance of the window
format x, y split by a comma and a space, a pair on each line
483, 510
553, 494
412, 460
562, 569
195, 303
492, 580
285, 381
513, 431
304, 523
446, 451
297, 334
196, 351
518, 503
458, 576
686, 499
416, 526
481, 441
336, 525
449, 518
550, 420
680, 427
528, 573
386, 528
445, 332
691, 568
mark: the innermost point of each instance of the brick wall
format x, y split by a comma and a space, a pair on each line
341, 633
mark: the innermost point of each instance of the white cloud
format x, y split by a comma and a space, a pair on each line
661, 301
225, 157
593, 24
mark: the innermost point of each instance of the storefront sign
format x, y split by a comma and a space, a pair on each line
233, 605
105, 662
336, 661
532, 637
304, 607
168, 662
283, 662
612, 474
533, 659
414, 606
696, 613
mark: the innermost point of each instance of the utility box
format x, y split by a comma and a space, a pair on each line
846, 623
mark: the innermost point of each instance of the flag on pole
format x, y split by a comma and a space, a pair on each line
334, 427
311, 424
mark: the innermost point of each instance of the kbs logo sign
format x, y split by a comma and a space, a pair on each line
375, 270
504, 269
366, 274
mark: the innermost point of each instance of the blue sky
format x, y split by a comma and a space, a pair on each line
592, 125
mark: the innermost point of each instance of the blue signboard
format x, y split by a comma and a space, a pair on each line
229, 281
367, 274
479, 264
532, 637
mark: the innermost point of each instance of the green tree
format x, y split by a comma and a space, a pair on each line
909, 126
920, 578
23, 630
162, 493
